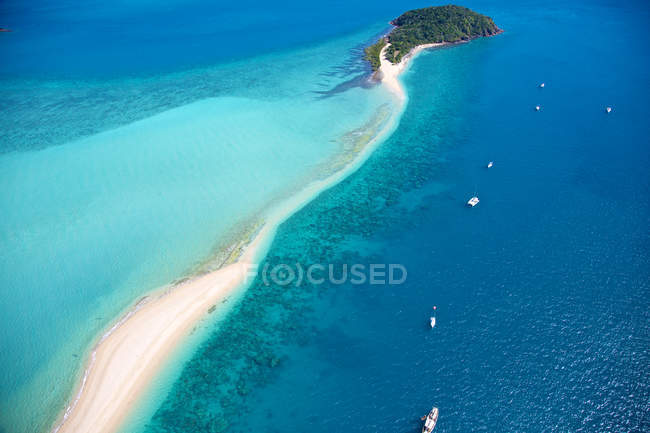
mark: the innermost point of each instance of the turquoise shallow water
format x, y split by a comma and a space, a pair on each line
108, 208
114, 180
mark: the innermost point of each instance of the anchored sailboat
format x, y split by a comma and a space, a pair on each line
430, 421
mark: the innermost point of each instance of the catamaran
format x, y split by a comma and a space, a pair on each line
430, 421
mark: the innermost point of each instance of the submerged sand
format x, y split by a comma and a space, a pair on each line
130, 355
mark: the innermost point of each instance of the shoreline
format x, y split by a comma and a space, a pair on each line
132, 352
388, 72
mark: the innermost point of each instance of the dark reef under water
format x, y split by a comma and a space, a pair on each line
272, 321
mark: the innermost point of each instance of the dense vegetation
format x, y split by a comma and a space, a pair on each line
432, 25
373, 51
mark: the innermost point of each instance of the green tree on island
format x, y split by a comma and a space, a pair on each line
430, 25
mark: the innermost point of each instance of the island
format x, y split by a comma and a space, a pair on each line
429, 26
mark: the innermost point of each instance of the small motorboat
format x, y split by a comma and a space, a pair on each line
430, 421
537, 107
542, 86
608, 109
490, 164
473, 201
433, 318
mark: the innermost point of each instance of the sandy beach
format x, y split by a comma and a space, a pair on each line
129, 355
389, 72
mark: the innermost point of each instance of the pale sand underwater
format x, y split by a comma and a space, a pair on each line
114, 216
127, 359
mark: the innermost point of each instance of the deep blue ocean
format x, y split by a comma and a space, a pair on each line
542, 290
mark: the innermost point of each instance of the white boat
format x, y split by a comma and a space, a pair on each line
473, 201
537, 107
430, 421
608, 109
490, 164
542, 85
433, 322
